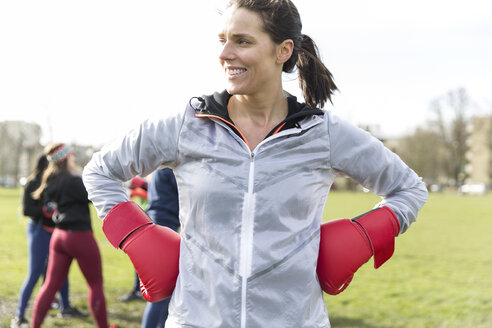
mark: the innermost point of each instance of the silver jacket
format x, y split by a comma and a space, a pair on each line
251, 219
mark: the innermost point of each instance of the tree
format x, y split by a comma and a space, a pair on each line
422, 152
437, 151
451, 125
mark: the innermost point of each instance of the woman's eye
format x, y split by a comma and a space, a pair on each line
222, 40
242, 41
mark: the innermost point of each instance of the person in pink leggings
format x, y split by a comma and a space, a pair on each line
65, 198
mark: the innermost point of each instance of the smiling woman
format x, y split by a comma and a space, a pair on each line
249, 57
260, 41
254, 167
263, 37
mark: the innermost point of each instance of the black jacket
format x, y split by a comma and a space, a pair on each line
70, 196
33, 208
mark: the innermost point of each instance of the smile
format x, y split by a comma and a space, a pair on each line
234, 72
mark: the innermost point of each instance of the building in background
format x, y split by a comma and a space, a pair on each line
20, 148
479, 154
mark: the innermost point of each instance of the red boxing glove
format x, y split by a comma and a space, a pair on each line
153, 249
346, 245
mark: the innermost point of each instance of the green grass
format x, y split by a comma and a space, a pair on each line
439, 277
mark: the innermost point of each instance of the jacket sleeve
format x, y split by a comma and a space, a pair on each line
364, 158
141, 151
31, 206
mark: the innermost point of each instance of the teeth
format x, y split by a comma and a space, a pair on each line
236, 71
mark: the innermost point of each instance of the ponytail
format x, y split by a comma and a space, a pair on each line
315, 80
38, 193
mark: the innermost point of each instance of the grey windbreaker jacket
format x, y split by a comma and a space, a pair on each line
251, 219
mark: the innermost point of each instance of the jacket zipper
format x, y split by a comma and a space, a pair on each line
247, 229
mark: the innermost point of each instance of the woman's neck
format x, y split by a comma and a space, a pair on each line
261, 110
256, 116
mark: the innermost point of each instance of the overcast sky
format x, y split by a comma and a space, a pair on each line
88, 71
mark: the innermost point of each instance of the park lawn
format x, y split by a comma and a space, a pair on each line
439, 276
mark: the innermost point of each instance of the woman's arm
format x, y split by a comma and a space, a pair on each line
345, 245
140, 152
365, 159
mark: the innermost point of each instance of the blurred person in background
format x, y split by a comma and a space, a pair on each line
163, 209
62, 188
39, 229
138, 193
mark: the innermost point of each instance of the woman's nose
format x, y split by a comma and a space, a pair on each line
226, 53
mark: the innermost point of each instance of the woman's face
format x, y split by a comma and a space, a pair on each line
248, 55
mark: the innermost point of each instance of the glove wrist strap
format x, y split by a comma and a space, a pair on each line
381, 226
122, 220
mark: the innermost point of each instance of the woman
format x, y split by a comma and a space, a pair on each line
72, 238
38, 231
254, 168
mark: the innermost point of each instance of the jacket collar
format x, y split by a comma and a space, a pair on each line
215, 105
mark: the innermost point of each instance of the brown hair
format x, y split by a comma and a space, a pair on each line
281, 21
53, 168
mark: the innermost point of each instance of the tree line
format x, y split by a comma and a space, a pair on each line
437, 151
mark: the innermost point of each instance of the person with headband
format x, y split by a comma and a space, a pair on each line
254, 167
39, 229
72, 238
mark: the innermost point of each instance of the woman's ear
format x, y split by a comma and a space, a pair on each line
284, 51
